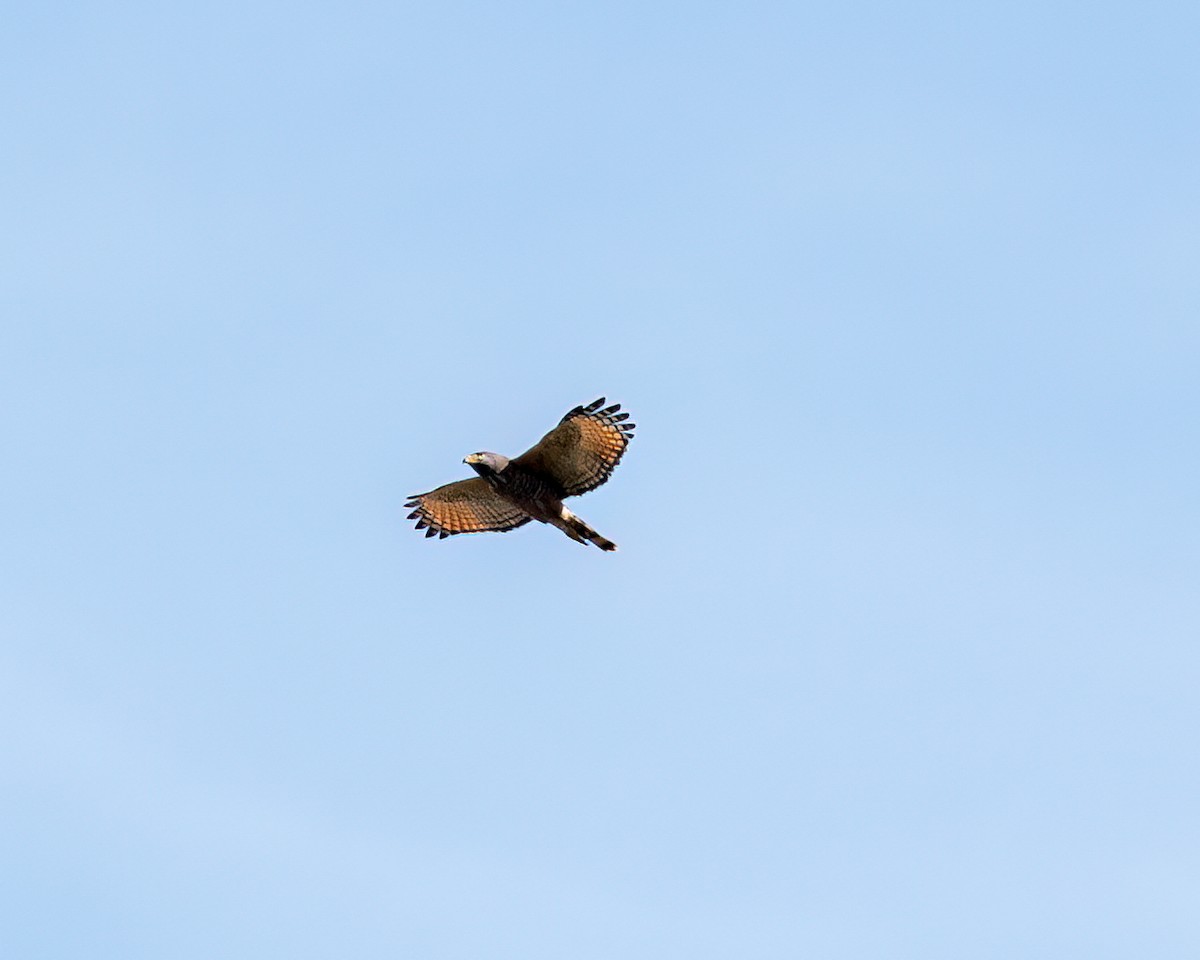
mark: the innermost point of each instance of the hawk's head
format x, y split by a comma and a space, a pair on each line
486, 463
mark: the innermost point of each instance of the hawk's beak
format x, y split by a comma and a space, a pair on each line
470, 458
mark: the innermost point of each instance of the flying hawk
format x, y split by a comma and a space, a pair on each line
576, 456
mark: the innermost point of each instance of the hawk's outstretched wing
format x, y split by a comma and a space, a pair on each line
583, 450
465, 506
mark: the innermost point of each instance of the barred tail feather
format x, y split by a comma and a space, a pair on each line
576, 529
602, 542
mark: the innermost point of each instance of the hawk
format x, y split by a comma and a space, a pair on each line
576, 456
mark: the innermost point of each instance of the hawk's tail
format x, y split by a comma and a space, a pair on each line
576, 529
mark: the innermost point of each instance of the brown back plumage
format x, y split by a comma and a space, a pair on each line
583, 450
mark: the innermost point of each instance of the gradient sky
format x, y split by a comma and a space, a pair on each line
898, 657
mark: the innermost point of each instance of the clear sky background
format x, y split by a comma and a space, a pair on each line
898, 657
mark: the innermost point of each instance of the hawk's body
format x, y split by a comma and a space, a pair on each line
576, 456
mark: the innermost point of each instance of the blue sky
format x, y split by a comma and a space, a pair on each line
898, 656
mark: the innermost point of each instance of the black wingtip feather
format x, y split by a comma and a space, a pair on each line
431, 532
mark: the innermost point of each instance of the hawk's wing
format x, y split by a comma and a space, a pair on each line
465, 506
583, 450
